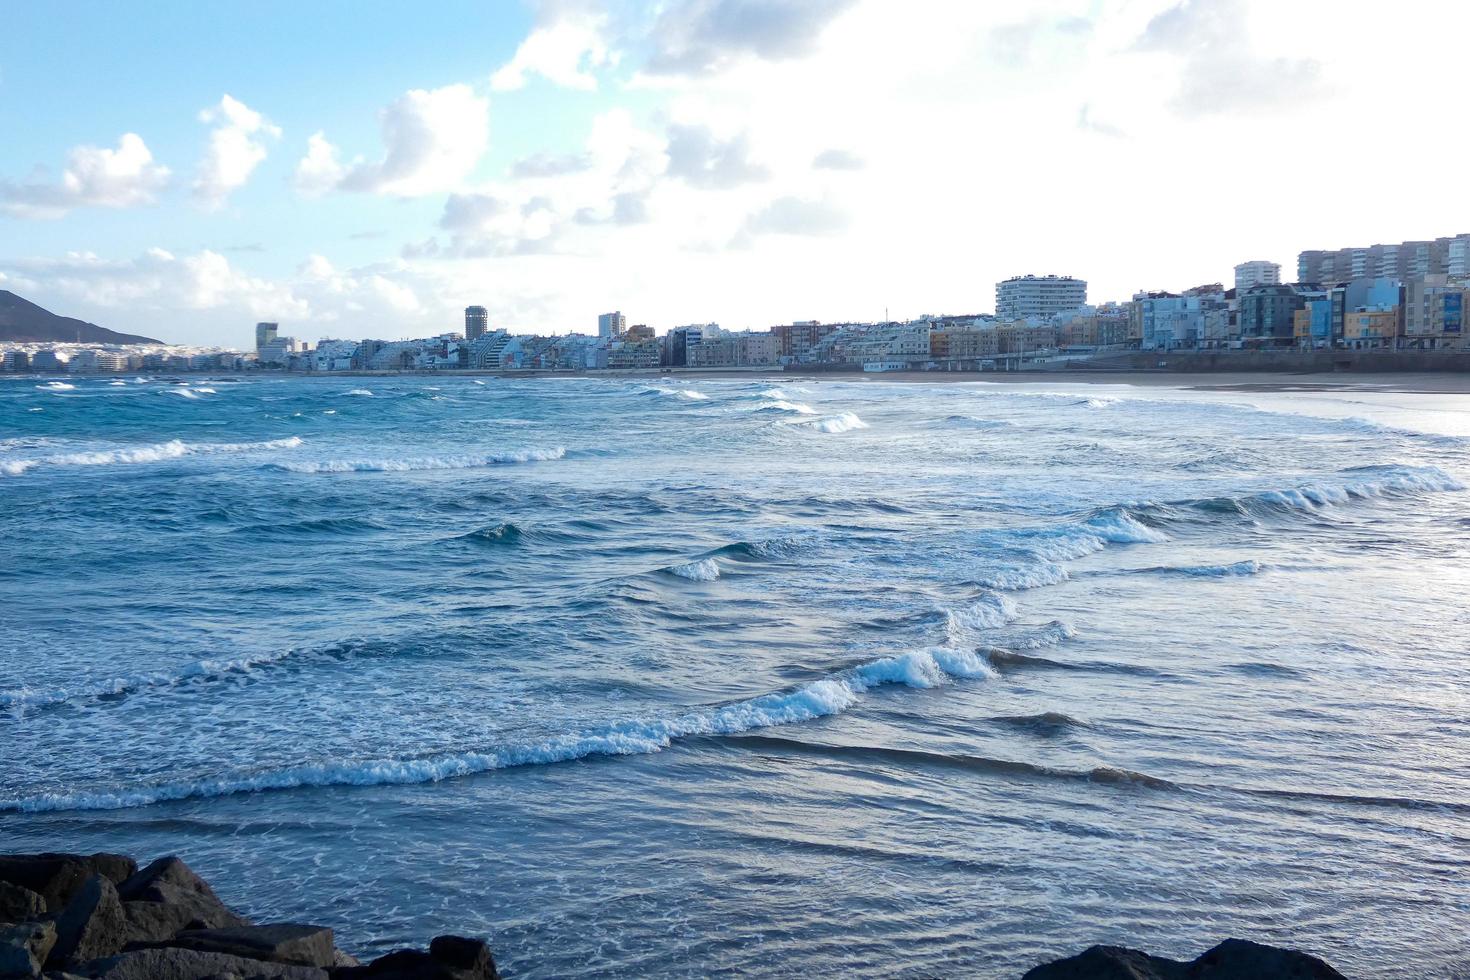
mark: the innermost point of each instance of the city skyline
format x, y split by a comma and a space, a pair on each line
718, 159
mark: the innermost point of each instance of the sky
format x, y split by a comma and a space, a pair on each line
369, 168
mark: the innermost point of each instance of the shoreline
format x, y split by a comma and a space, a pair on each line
1424, 383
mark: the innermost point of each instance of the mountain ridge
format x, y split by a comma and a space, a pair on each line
22, 321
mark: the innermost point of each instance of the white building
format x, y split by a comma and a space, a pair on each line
1257, 272
1025, 296
611, 325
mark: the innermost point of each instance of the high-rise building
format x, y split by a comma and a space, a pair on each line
1257, 273
265, 333
611, 325
1024, 296
476, 322
1406, 260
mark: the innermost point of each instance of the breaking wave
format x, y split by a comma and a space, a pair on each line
1233, 570
57, 386
156, 453
830, 695
428, 463
703, 570
358, 393
845, 422
1016, 578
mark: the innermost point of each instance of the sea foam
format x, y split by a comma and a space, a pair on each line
428, 463
155, 453
826, 696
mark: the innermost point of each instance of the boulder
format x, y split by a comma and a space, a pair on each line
171, 963
92, 925
1234, 959
448, 958
166, 898
1239, 959
18, 903
57, 877
301, 945
1108, 963
24, 948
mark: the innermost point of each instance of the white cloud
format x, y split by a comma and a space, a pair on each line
236, 148
564, 46
703, 159
797, 216
94, 177
838, 159
696, 37
433, 140
320, 171
1222, 70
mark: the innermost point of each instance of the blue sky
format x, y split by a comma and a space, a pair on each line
368, 169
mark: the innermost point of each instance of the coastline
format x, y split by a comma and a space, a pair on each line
1425, 383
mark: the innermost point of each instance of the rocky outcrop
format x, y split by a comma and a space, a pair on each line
57, 877
1234, 959
98, 917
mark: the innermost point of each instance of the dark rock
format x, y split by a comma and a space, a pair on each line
171, 963
448, 958
1108, 963
18, 903
24, 948
92, 925
301, 945
1239, 959
167, 897
57, 877
1234, 959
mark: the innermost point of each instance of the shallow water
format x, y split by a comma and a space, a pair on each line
676, 678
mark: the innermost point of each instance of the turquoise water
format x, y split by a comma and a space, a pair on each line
663, 678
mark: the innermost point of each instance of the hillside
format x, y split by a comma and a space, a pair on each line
22, 321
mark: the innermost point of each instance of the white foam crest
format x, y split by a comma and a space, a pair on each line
1248, 567
1393, 481
117, 384
204, 391
427, 463
57, 386
821, 698
1015, 578
782, 405
358, 393
991, 611
181, 392
156, 453
704, 570
832, 424
1099, 402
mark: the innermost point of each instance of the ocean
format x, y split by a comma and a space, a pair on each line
795, 677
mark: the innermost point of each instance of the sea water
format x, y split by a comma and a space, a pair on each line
795, 677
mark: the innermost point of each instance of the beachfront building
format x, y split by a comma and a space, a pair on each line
1171, 321
265, 333
638, 353
1312, 324
1038, 296
1435, 308
1371, 329
1362, 296
1268, 315
746, 349
795, 341
1257, 273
